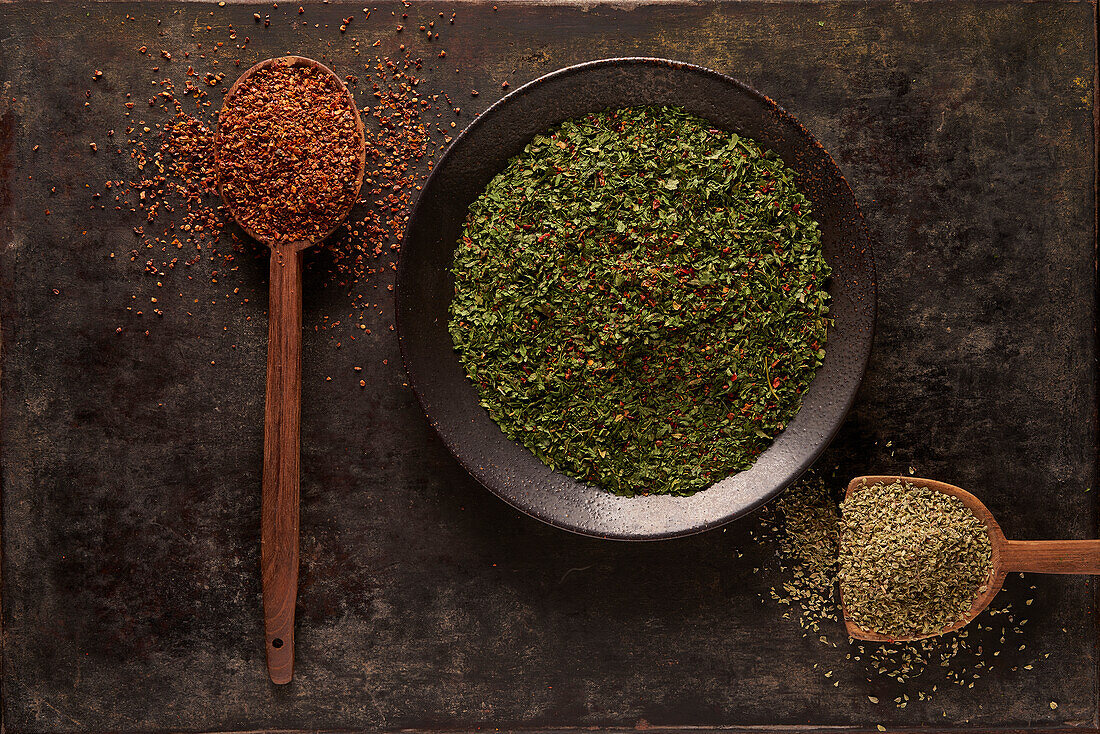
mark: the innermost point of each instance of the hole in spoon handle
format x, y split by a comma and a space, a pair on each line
1052, 556
282, 420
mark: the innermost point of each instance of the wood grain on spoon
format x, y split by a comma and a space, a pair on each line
282, 408
1008, 556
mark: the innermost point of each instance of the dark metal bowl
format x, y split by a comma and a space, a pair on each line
425, 288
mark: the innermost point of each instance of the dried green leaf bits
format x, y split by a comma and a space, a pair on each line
912, 560
640, 300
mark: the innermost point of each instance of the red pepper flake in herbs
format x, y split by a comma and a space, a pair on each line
289, 153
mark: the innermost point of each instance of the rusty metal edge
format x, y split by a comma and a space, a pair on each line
1094, 729
7, 233
640, 727
1096, 276
586, 4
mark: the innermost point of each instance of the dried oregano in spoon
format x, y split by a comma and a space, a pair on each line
640, 300
912, 560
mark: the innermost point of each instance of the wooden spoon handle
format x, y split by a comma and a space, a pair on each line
1052, 556
282, 420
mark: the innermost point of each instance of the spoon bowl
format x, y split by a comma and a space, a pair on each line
304, 62
283, 398
1007, 556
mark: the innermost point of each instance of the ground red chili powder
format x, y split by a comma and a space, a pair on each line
289, 153
182, 240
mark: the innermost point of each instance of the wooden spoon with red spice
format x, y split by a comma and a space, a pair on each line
290, 154
1036, 556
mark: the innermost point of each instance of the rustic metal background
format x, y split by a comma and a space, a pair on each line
131, 464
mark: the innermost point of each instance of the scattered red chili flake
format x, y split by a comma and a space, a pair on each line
182, 222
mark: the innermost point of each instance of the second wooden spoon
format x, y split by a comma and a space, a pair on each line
1036, 556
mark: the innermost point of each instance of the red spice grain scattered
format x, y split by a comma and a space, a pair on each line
170, 201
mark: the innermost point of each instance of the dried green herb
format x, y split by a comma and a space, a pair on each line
803, 525
912, 560
640, 300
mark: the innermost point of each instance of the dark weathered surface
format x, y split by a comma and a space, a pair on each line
131, 465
